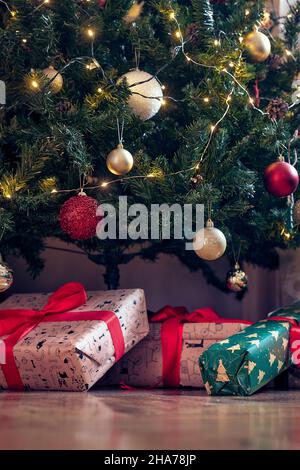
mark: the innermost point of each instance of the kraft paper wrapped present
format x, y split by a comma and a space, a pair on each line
245, 362
169, 355
70, 343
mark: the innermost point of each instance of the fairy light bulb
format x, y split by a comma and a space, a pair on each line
206, 99
247, 12
34, 84
90, 33
104, 184
231, 64
212, 128
99, 90
251, 101
54, 191
172, 15
24, 40
217, 42
178, 34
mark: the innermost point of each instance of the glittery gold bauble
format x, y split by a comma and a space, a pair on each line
236, 279
56, 83
119, 161
258, 46
134, 12
209, 242
6, 276
146, 98
297, 212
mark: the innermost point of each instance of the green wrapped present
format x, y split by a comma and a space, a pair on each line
248, 360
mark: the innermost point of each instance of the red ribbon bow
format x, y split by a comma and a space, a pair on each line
17, 323
173, 319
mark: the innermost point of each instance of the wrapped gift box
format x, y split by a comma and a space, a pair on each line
143, 366
74, 355
245, 362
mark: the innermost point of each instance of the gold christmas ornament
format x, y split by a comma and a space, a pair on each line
209, 242
147, 94
258, 46
134, 12
119, 161
297, 212
236, 279
57, 83
6, 276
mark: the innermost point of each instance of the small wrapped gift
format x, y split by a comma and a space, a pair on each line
68, 340
245, 362
169, 355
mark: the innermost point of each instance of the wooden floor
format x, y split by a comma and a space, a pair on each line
114, 419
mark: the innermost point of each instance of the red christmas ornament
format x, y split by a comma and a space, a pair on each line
78, 217
281, 179
101, 3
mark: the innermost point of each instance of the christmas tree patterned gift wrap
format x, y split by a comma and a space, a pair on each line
147, 365
69, 346
245, 362
292, 312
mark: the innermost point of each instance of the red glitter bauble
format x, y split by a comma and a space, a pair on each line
102, 3
281, 179
78, 217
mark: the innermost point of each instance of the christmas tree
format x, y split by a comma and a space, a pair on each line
223, 110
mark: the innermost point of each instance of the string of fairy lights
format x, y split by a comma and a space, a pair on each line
91, 63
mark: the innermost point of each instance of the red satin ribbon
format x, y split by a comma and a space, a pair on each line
16, 324
173, 320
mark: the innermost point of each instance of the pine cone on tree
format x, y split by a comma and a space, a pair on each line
196, 180
277, 109
65, 107
275, 62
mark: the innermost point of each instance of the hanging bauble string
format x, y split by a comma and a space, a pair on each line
55, 79
6, 276
78, 218
209, 242
281, 178
236, 279
258, 46
119, 161
146, 98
